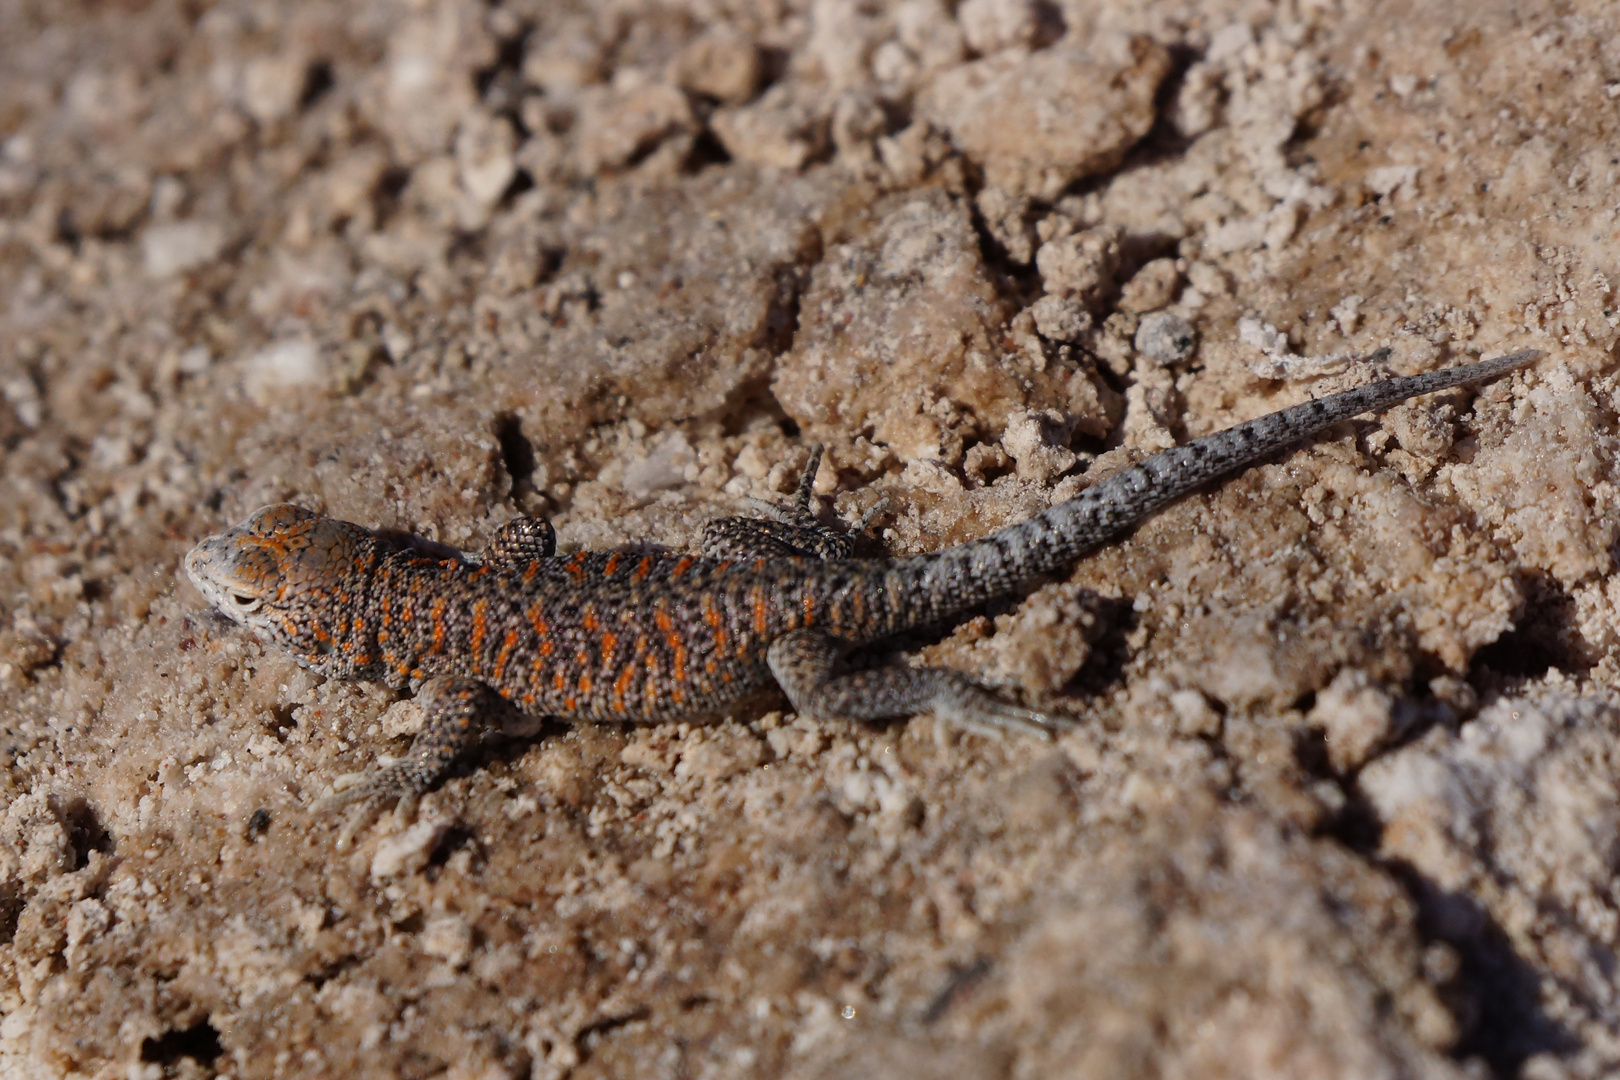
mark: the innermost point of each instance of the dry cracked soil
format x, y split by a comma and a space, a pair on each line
1342, 799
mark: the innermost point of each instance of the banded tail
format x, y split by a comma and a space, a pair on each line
962, 577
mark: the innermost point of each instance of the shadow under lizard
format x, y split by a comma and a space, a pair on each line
633, 636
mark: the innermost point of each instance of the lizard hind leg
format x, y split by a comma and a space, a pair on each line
785, 532
805, 663
451, 706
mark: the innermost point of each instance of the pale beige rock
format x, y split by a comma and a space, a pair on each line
428, 78
1151, 287
1356, 715
1038, 441
1081, 265
1061, 318
989, 26
721, 63
780, 130
1043, 645
1517, 813
484, 156
1008, 219
1548, 483
175, 248
617, 124
1036, 123
896, 330
272, 85
931, 39
566, 57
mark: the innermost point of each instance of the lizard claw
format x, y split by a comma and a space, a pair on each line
368, 793
983, 713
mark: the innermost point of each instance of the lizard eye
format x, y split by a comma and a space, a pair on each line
246, 603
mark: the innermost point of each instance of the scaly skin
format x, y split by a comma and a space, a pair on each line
622, 635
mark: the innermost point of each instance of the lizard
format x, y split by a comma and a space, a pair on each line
642, 635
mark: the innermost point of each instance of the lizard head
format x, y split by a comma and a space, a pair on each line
287, 574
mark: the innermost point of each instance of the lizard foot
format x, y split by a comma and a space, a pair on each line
366, 794
805, 663
971, 707
451, 704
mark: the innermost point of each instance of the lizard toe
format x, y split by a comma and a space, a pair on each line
367, 793
975, 709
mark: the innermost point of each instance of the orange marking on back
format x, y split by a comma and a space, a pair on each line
756, 603
662, 620
569, 702
621, 686
589, 620
711, 613
559, 680
677, 667
506, 651
611, 567
680, 568
480, 626
576, 566
809, 604
531, 570
585, 682
610, 643
437, 613
641, 569
650, 691
542, 629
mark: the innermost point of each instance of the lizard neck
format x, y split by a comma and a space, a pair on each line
422, 615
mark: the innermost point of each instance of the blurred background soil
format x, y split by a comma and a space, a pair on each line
1342, 801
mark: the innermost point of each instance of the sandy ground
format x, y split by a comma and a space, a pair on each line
1343, 798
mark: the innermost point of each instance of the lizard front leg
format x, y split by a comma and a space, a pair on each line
451, 705
805, 663
519, 541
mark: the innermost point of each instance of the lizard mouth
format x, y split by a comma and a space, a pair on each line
199, 564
